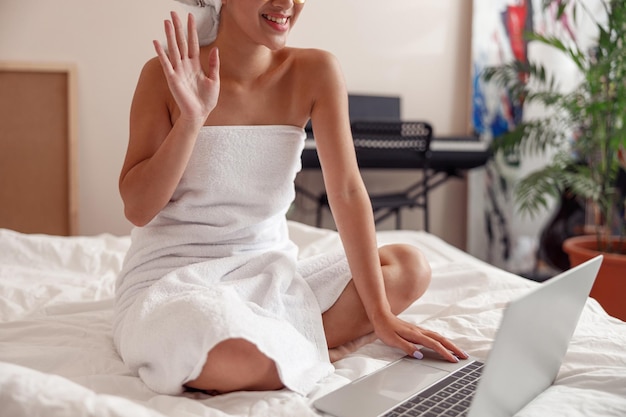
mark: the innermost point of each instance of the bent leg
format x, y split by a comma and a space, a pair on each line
407, 275
237, 365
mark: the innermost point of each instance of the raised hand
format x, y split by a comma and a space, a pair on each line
195, 91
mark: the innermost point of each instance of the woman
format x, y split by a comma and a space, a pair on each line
211, 295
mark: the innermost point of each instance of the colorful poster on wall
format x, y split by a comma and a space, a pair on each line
497, 232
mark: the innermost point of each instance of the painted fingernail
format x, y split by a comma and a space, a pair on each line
418, 355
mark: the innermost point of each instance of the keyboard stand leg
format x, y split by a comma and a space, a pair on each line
398, 219
318, 217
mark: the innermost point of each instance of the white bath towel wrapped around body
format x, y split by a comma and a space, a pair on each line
217, 263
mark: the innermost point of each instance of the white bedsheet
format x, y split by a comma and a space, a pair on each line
57, 357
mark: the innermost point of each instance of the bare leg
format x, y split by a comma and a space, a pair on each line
237, 365
344, 350
407, 276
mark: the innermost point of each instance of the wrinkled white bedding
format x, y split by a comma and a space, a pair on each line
57, 356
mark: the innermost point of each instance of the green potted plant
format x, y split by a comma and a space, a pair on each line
585, 128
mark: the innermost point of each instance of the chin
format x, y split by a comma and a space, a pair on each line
276, 45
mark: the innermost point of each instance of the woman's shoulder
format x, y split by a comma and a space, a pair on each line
152, 68
315, 61
152, 78
311, 55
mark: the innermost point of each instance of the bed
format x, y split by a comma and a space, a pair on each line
57, 357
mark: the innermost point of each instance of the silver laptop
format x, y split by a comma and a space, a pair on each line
525, 358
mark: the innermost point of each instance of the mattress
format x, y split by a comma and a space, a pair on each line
57, 356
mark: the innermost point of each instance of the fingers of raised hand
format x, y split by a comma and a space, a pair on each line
173, 49
192, 37
181, 46
214, 64
163, 58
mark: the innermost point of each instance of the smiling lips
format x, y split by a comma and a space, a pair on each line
281, 21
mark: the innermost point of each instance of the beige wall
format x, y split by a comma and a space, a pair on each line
416, 49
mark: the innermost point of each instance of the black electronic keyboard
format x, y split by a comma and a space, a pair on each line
439, 159
446, 154
387, 143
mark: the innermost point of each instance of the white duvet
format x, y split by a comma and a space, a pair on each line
57, 357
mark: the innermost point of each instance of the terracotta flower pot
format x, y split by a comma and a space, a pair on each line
610, 286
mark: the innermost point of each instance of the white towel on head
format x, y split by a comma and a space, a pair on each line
207, 16
217, 264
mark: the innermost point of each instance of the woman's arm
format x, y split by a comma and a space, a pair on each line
159, 149
352, 212
347, 196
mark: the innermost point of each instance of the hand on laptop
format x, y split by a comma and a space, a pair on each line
405, 336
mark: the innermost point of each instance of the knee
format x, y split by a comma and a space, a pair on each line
237, 365
411, 270
417, 270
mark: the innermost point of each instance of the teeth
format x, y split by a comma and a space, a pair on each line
279, 20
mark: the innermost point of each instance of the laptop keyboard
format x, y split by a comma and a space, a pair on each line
450, 397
